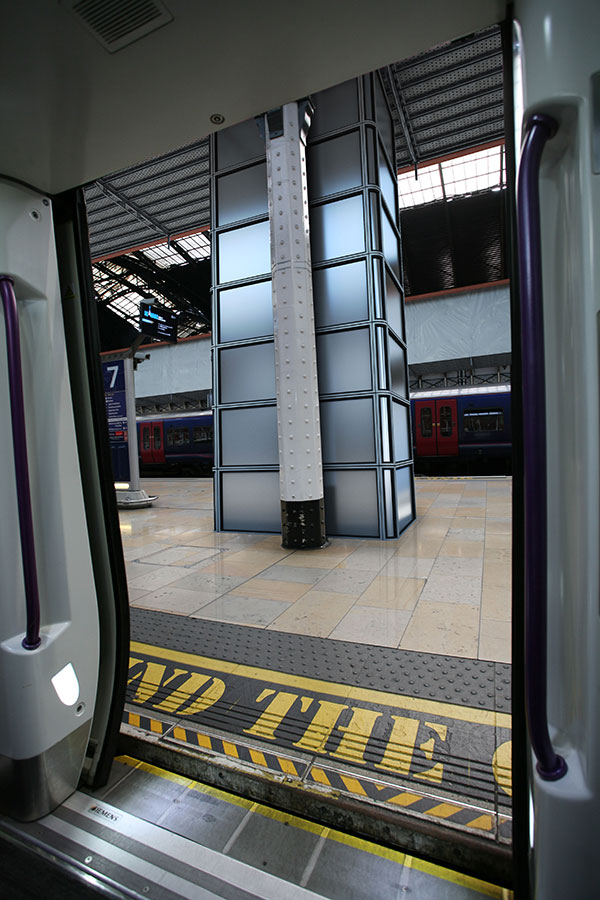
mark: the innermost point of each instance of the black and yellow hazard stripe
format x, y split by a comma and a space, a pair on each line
199, 740
308, 774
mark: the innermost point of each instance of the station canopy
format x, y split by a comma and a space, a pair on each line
149, 224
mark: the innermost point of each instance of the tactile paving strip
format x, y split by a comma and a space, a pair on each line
451, 679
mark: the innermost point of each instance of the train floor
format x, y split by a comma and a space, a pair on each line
153, 834
374, 671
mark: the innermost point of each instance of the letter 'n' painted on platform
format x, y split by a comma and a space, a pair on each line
182, 701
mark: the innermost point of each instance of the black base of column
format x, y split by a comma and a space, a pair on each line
303, 524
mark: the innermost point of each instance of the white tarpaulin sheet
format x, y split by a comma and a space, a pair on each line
476, 323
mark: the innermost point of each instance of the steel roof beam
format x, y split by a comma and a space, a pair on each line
445, 49
472, 98
438, 123
455, 67
130, 207
404, 125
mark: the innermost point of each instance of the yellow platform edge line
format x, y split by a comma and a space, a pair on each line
484, 887
367, 695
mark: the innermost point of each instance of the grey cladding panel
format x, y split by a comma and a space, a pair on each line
388, 187
384, 120
344, 361
242, 195
401, 431
250, 501
347, 431
391, 250
393, 306
397, 368
244, 252
245, 312
334, 108
404, 500
340, 294
337, 229
238, 144
247, 373
351, 503
334, 165
249, 436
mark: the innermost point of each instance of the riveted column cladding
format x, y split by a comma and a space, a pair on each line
298, 428
358, 300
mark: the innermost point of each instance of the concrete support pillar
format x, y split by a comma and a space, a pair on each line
298, 426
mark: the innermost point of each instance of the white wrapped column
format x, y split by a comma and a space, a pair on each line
298, 427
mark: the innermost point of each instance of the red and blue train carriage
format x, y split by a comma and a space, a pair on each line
455, 430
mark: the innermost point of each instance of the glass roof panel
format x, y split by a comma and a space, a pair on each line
481, 170
424, 189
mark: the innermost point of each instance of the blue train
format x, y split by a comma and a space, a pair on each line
463, 430
176, 443
454, 430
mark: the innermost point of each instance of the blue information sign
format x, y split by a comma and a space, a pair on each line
116, 414
155, 321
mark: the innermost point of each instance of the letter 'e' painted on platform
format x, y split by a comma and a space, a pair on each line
435, 773
400, 746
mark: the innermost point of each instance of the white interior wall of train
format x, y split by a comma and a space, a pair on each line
473, 323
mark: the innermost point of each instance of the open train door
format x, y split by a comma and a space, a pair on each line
558, 59
64, 624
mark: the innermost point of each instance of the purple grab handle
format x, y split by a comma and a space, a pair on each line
538, 130
32, 637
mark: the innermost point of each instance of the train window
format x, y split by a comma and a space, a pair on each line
145, 438
202, 433
445, 421
426, 422
475, 420
157, 438
177, 436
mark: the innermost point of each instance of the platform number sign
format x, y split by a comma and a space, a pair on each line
116, 414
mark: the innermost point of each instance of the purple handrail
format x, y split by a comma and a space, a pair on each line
538, 130
17, 411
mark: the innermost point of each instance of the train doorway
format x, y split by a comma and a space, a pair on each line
369, 679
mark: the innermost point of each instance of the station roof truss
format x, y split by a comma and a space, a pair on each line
149, 224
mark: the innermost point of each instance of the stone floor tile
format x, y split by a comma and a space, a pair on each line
316, 613
303, 574
347, 581
495, 640
451, 629
444, 589
454, 546
272, 590
496, 603
372, 625
448, 566
408, 567
174, 600
242, 610
392, 593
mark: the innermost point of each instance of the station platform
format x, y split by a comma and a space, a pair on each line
442, 587
373, 671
